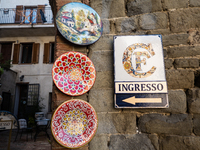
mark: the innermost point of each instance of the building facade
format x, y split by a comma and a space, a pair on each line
27, 38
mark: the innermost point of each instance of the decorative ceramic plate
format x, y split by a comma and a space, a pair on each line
79, 23
73, 73
74, 123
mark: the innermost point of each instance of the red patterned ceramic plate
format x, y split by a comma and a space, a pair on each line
73, 73
74, 123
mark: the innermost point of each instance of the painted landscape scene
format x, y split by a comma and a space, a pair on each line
79, 23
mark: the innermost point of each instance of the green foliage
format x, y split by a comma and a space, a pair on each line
38, 106
31, 121
4, 64
1, 71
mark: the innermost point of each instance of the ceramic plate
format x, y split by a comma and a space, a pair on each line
73, 73
74, 123
79, 23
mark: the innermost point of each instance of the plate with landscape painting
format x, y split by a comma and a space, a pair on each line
74, 123
73, 73
79, 23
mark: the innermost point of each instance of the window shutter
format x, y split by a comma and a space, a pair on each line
18, 14
16, 54
46, 52
39, 18
35, 53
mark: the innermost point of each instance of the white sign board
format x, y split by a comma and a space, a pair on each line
139, 71
5, 125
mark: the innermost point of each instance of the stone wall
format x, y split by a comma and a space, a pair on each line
176, 127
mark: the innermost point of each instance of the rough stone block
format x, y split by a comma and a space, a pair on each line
193, 93
159, 31
104, 80
165, 52
142, 6
175, 78
109, 9
110, 123
194, 37
182, 20
194, 100
99, 142
154, 141
102, 100
153, 21
194, 3
106, 26
125, 25
104, 43
196, 121
174, 4
177, 124
130, 142
102, 60
177, 101
175, 39
186, 63
183, 51
168, 63
112, 26
180, 142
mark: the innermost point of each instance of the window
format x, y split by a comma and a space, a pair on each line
30, 15
5, 52
26, 53
48, 52
33, 94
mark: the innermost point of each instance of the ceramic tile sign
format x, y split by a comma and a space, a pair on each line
139, 72
79, 23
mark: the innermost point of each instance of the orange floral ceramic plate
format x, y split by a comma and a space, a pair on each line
73, 73
74, 123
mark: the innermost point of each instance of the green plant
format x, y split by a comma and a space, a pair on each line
36, 107
31, 121
1, 71
5, 64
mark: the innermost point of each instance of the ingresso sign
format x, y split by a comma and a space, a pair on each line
139, 72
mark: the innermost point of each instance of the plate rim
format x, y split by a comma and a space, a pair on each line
75, 42
81, 54
94, 131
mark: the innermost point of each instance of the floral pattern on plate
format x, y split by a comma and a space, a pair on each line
74, 123
73, 73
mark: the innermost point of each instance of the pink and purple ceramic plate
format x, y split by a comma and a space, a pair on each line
74, 123
73, 73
